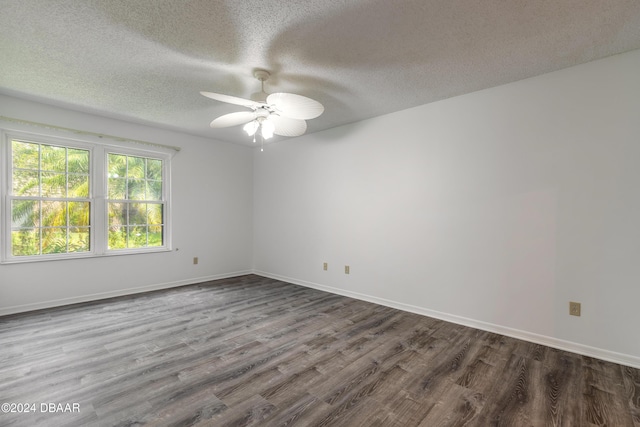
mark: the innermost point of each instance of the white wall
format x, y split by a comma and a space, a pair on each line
211, 219
493, 209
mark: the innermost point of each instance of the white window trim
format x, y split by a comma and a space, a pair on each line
98, 193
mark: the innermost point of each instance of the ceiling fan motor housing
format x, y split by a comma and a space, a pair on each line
261, 75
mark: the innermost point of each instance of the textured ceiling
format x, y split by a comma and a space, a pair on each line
147, 60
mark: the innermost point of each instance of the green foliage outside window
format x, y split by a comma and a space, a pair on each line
51, 205
135, 203
50, 209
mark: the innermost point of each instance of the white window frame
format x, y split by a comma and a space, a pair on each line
97, 194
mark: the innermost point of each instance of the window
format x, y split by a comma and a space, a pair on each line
50, 202
68, 199
135, 202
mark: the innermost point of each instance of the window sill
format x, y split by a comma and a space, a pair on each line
44, 258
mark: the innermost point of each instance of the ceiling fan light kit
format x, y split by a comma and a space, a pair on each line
283, 114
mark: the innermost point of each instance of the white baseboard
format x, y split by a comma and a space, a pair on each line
118, 293
585, 350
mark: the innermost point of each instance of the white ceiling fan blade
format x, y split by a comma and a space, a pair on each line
295, 106
233, 119
285, 126
231, 99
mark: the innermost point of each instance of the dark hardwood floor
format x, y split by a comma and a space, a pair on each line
257, 351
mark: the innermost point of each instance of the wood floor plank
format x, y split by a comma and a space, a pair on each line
603, 409
631, 379
244, 388
252, 411
510, 404
562, 389
457, 406
297, 410
256, 351
185, 410
404, 410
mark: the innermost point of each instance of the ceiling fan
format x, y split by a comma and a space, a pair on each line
280, 113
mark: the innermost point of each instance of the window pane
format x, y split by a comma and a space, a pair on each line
78, 161
79, 239
137, 213
137, 237
26, 183
54, 214
53, 158
25, 242
117, 214
154, 190
117, 188
136, 189
155, 235
54, 240
117, 166
78, 186
25, 155
117, 237
154, 212
54, 184
136, 167
79, 213
25, 213
154, 169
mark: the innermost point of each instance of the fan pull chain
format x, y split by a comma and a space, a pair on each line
259, 130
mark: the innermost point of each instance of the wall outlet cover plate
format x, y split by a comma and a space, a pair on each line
574, 308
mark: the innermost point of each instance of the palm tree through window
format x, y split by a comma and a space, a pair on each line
50, 207
68, 198
135, 201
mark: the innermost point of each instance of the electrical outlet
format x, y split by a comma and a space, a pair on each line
195, 260
574, 308
346, 269
325, 266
